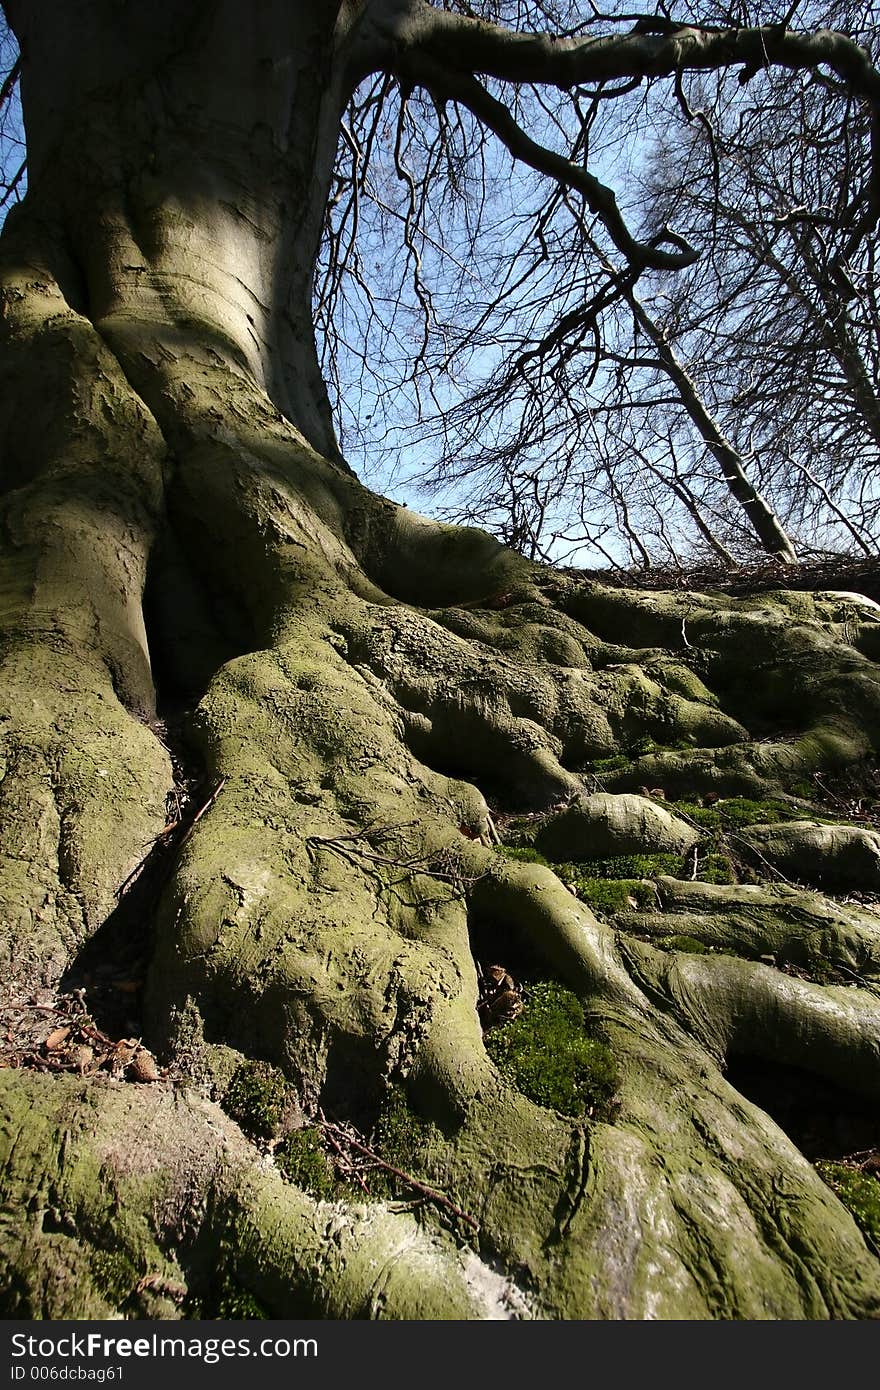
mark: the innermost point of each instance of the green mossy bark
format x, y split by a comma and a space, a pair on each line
607, 826
112, 1192
772, 922
360, 686
841, 858
83, 781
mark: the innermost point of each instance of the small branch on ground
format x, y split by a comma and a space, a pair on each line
166, 837
339, 1135
442, 866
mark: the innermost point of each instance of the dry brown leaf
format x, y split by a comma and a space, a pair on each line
143, 1067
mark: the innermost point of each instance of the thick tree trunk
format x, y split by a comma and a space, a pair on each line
352, 682
184, 169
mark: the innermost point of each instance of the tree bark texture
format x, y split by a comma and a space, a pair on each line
356, 686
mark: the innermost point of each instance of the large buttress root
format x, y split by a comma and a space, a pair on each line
384, 680
85, 780
143, 1202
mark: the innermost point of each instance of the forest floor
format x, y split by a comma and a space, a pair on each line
836, 572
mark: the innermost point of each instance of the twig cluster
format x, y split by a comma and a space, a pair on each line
353, 1158
368, 848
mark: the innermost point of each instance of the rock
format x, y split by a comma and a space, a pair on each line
604, 825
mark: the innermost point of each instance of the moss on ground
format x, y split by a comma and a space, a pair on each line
735, 812
618, 884
403, 1139
739, 811
689, 944
114, 1273
615, 895
621, 866
523, 854
625, 881
716, 868
234, 1303
549, 1056
604, 765
400, 1137
303, 1160
859, 1192
255, 1098
804, 789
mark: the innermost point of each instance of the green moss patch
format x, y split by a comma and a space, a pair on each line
735, 812
114, 1273
403, 1139
716, 868
549, 1056
740, 810
689, 944
524, 854
859, 1192
237, 1304
400, 1138
303, 1161
255, 1098
707, 817
624, 882
612, 895
622, 866
605, 765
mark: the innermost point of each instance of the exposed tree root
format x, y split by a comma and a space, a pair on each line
345, 666
782, 925
115, 1197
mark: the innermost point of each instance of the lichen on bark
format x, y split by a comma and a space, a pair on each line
366, 696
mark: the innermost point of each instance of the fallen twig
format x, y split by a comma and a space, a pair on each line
349, 1169
348, 848
335, 1130
202, 811
166, 837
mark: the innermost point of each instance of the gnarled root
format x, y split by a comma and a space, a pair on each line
358, 685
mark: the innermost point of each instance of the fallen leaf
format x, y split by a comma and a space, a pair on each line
143, 1067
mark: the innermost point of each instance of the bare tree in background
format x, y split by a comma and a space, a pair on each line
13, 160
780, 318
523, 339
584, 442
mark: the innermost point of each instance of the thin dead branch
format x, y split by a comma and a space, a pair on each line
341, 1135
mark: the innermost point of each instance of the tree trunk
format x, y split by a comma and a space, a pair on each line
255, 719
